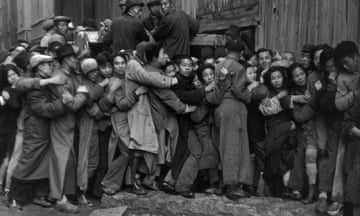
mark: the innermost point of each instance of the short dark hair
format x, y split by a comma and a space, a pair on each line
122, 54
345, 49
103, 58
152, 51
290, 73
267, 76
201, 70
179, 58
326, 55
261, 50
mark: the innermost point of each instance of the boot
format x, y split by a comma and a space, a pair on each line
310, 198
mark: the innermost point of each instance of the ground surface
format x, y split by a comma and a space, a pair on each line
161, 204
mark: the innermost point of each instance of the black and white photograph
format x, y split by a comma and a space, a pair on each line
180, 107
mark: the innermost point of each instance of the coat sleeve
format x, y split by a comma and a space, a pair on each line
123, 102
344, 98
191, 97
15, 99
79, 100
26, 84
138, 74
169, 98
215, 97
351, 116
40, 105
163, 29
259, 93
200, 113
239, 88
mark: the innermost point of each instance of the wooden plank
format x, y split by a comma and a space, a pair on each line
208, 40
211, 25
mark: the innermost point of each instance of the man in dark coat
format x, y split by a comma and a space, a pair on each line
127, 30
175, 29
231, 125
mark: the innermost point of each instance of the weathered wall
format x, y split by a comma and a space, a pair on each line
288, 24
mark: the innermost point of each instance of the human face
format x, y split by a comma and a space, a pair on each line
186, 67
253, 61
299, 76
155, 10
12, 77
208, 76
289, 58
277, 80
317, 58
163, 57
45, 69
93, 75
165, 6
251, 74
265, 60
352, 63
71, 62
62, 27
106, 70
330, 66
196, 82
305, 60
170, 71
119, 65
136, 11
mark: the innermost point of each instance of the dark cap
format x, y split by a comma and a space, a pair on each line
233, 31
236, 45
132, 3
153, 3
65, 51
62, 19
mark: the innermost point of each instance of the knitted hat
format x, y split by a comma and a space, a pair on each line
88, 65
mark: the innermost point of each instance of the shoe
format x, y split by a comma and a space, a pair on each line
219, 191
295, 195
211, 190
335, 208
310, 198
236, 193
168, 188
66, 207
41, 201
321, 206
108, 191
13, 204
82, 200
138, 190
151, 185
187, 194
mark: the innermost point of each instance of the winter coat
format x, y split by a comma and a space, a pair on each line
348, 84
40, 109
176, 30
126, 33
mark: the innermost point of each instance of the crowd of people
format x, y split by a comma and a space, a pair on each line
141, 114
